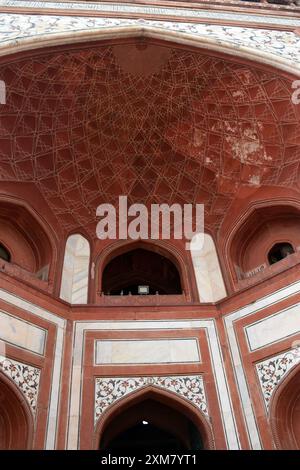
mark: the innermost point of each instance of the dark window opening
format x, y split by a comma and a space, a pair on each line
151, 426
279, 252
140, 267
145, 437
4, 253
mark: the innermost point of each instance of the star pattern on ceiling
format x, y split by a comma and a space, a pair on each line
167, 125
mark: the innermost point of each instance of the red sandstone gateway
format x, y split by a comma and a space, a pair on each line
142, 345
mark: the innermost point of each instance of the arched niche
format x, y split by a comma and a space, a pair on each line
28, 241
162, 248
16, 420
75, 275
210, 283
285, 412
263, 229
141, 267
166, 410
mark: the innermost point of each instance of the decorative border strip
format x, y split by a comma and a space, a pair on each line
109, 390
224, 398
244, 17
271, 371
276, 48
52, 420
26, 377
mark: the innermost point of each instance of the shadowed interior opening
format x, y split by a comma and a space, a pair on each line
280, 251
151, 426
125, 273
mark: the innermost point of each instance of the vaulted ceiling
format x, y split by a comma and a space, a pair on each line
156, 123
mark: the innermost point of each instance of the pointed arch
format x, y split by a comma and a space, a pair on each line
28, 237
162, 247
246, 237
165, 397
16, 419
285, 411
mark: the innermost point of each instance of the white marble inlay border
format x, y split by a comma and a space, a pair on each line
108, 390
271, 372
240, 375
80, 328
52, 420
147, 351
280, 49
245, 17
22, 333
26, 377
273, 328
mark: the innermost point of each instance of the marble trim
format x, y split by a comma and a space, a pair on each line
284, 319
34, 330
244, 17
80, 328
52, 419
108, 390
239, 372
279, 49
190, 342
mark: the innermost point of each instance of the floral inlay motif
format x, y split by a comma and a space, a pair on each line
272, 371
26, 377
108, 390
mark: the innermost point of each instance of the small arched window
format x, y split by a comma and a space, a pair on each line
280, 251
4, 253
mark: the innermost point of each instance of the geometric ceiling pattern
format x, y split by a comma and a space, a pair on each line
158, 124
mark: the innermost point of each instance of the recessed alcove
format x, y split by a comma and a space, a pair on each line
267, 242
140, 267
285, 412
16, 421
25, 248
